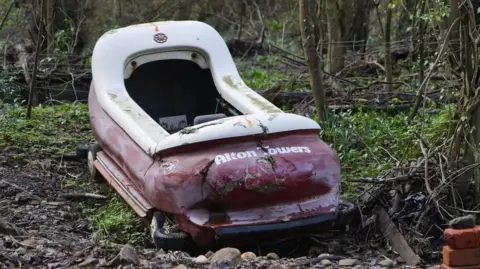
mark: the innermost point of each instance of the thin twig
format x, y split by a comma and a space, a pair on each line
425, 155
392, 180
7, 14
82, 195
425, 82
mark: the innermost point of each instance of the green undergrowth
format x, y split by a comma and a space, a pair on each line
50, 132
262, 73
260, 80
117, 223
369, 144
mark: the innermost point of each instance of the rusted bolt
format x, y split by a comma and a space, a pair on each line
194, 55
134, 64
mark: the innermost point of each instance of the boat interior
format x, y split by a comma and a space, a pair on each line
177, 93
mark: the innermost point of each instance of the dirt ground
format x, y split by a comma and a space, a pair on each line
43, 229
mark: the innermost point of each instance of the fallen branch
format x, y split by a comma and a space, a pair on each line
302, 64
68, 196
395, 238
374, 180
279, 97
381, 82
399, 107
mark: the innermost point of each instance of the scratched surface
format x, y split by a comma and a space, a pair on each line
237, 181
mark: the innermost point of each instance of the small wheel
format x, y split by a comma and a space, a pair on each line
167, 240
347, 213
93, 149
82, 151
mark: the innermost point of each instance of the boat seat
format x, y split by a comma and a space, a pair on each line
209, 117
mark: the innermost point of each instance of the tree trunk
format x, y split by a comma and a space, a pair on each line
469, 58
388, 50
421, 54
346, 21
336, 50
313, 61
403, 22
32, 96
455, 34
49, 25
317, 22
358, 25
468, 104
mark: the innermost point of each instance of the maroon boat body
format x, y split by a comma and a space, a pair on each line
233, 186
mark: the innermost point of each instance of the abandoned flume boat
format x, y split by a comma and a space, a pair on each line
183, 139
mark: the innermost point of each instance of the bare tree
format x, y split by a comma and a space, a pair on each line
32, 97
313, 61
388, 48
336, 50
347, 21
470, 39
49, 26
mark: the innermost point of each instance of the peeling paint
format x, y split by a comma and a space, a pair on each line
239, 123
251, 176
230, 186
264, 162
249, 122
168, 166
194, 129
272, 117
188, 130
254, 181
203, 173
277, 185
255, 98
264, 128
269, 158
152, 127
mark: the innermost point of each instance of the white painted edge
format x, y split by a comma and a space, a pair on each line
237, 126
177, 55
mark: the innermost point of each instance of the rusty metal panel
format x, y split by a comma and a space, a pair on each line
237, 174
117, 179
261, 215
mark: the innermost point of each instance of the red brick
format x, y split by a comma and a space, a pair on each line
461, 257
463, 238
444, 266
